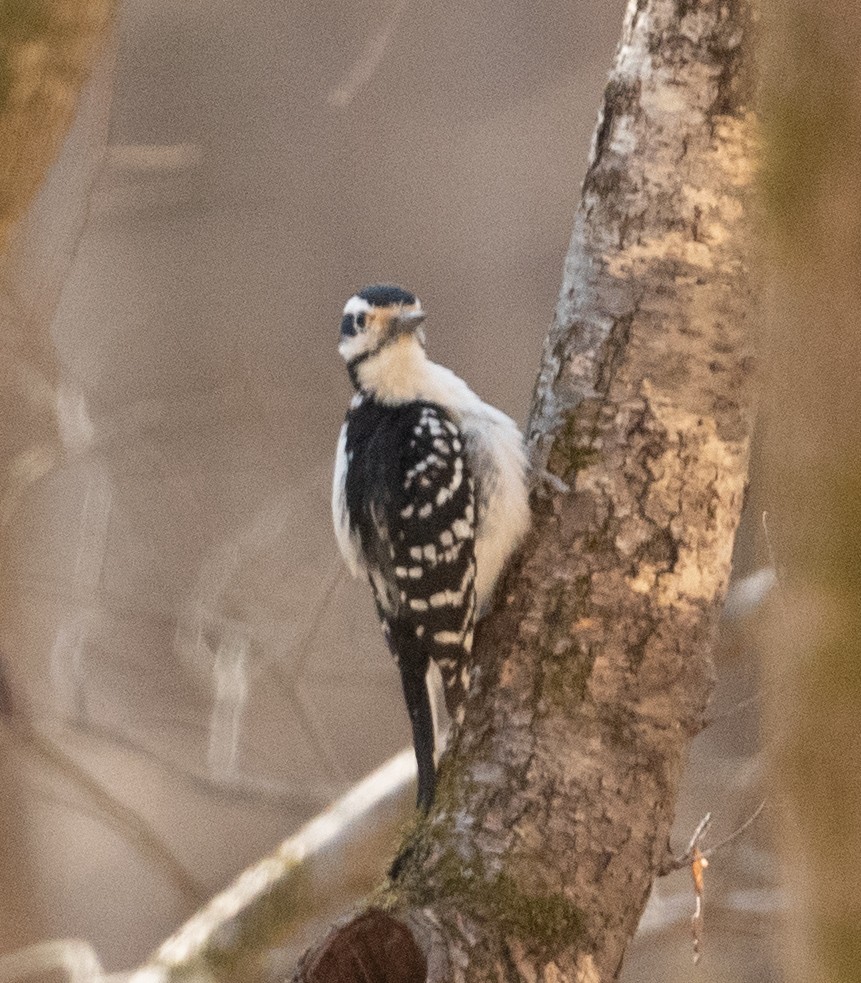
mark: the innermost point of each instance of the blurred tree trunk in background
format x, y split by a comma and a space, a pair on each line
813, 456
47, 51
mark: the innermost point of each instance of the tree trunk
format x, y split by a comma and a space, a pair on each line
556, 802
813, 483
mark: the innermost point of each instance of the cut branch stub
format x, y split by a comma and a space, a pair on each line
373, 948
555, 804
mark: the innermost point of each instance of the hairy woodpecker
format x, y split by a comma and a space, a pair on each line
429, 499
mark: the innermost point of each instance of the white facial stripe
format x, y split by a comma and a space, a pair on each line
356, 305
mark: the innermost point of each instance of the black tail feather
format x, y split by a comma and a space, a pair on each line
418, 704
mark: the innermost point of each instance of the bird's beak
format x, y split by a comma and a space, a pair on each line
407, 321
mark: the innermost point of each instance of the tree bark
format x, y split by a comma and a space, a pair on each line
812, 185
556, 802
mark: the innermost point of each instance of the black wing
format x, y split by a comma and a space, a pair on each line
411, 502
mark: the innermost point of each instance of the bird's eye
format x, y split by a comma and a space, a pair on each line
352, 324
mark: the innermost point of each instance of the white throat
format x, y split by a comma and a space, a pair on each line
397, 372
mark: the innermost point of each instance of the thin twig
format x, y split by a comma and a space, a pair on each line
739, 707
735, 835
686, 859
699, 833
671, 864
699, 863
698, 860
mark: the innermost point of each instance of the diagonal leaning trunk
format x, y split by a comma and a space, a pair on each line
556, 803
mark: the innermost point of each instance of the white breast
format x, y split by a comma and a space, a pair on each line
498, 462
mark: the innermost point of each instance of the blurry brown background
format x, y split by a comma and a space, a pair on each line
193, 659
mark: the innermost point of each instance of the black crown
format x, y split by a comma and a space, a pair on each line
384, 294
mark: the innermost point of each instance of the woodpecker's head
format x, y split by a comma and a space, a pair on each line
380, 323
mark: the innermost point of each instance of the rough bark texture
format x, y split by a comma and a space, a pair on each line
556, 803
812, 185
